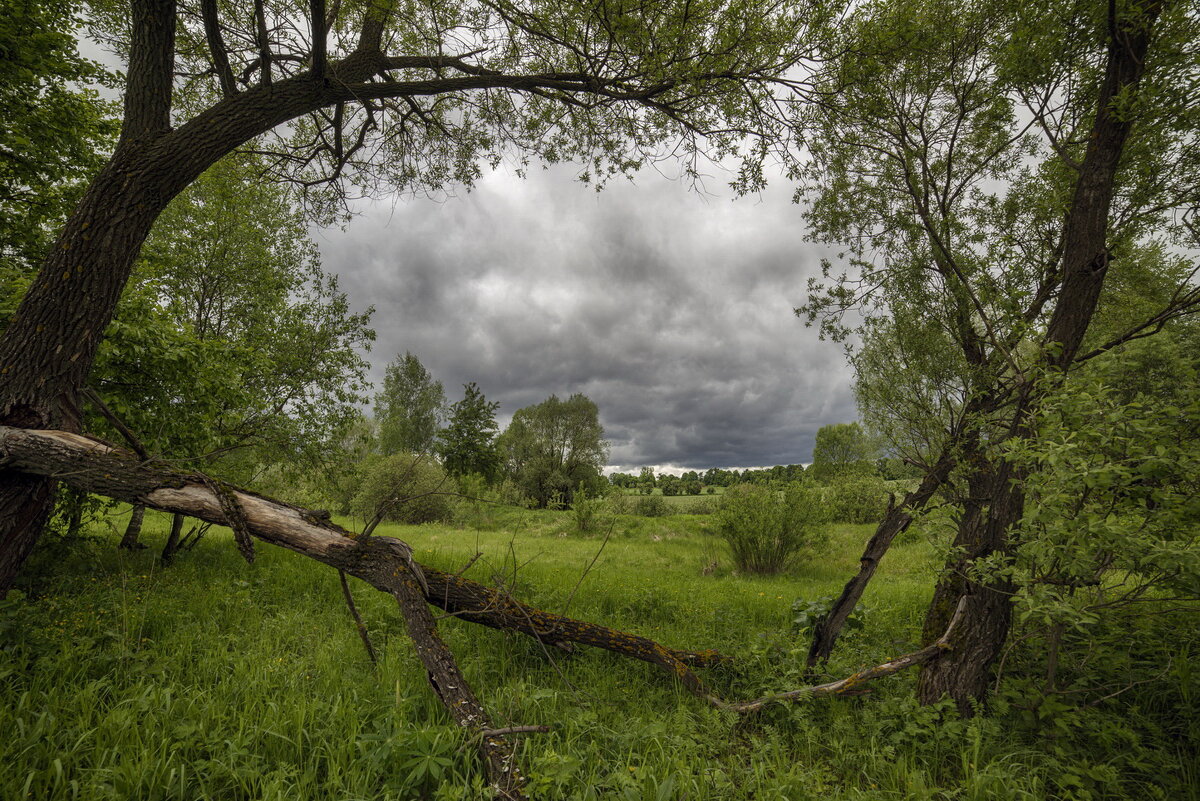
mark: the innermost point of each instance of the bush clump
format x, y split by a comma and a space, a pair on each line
405, 488
765, 528
861, 499
651, 506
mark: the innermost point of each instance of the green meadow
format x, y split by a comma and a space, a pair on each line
215, 679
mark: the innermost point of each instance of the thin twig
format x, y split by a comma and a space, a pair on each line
358, 621
586, 570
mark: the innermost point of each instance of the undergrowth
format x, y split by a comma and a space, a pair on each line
214, 679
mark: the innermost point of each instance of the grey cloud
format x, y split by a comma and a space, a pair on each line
671, 310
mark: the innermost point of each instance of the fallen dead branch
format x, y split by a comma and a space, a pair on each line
386, 563
853, 682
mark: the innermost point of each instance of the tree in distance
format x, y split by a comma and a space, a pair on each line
646, 481
409, 408
842, 449
467, 445
553, 448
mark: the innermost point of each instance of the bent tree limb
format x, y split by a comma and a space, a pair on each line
895, 521
385, 563
842, 686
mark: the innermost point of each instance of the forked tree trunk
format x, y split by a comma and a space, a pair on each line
988, 522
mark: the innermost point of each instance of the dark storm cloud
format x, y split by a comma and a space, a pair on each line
670, 309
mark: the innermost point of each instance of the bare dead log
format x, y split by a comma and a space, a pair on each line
477, 603
106, 470
895, 521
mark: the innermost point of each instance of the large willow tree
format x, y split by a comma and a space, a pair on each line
993, 170
347, 96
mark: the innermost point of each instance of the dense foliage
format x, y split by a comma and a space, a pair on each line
404, 488
766, 529
554, 448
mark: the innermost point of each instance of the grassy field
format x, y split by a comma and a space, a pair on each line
214, 679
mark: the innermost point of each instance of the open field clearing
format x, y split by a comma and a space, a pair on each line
212, 679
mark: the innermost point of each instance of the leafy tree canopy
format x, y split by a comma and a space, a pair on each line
54, 132
230, 334
409, 408
554, 447
842, 448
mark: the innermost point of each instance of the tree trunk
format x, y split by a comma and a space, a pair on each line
49, 345
978, 641
980, 636
172, 544
133, 531
25, 504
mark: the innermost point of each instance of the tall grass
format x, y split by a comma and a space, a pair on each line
215, 679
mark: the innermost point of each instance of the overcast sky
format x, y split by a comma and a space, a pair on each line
669, 308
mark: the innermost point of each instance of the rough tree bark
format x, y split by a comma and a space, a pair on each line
133, 532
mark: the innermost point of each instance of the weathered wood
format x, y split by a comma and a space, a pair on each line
107, 470
895, 521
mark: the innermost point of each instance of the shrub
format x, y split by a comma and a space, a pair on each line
861, 499
651, 506
765, 528
405, 488
590, 512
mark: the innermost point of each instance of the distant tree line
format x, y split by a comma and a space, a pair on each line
405, 461
842, 451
